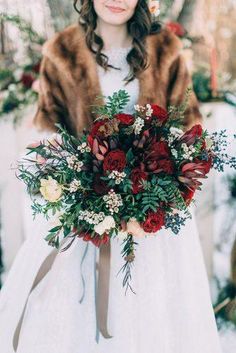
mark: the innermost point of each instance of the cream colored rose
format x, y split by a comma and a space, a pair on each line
107, 224
50, 189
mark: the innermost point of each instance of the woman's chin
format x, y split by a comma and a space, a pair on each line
114, 18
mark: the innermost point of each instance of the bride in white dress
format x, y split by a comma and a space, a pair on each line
40, 308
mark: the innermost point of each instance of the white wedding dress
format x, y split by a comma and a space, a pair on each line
170, 313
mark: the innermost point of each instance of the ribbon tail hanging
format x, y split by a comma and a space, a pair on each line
102, 289
81, 271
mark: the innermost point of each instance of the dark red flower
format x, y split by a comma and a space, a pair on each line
188, 195
100, 186
137, 175
161, 165
114, 160
96, 239
154, 221
27, 80
176, 28
159, 113
126, 119
190, 136
157, 150
95, 128
165, 165
36, 67
193, 171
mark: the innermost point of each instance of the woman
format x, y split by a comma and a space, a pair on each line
48, 302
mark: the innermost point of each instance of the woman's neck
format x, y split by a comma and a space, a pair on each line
113, 36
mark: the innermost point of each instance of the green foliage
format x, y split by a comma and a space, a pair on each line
128, 254
176, 113
114, 104
28, 33
201, 86
160, 190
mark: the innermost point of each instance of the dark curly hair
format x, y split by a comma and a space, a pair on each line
139, 27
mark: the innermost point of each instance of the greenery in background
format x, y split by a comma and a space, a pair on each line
165, 6
16, 81
202, 88
1, 266
27, 32
225, 306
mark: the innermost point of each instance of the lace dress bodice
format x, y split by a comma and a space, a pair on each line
112, 80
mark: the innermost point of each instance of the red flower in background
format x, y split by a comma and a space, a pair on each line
27, 80
137, 175
97, 240
190, 136
114, 160
176, 28
159, 113
36, 67
154, 221
126, 119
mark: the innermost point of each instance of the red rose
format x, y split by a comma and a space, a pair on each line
97, 240
27, 80
100, 186
95, 128
136, 177
190, 136
159, 113
154, 221
114, 160
126, 119
176, 28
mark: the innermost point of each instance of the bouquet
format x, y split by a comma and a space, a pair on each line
129, 176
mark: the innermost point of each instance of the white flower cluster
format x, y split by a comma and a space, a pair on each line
74, 164
138, 125
149, 110
105, 225
141, 109
188, 151
84, 148
117, 176
113, 201
75, 185
91, 217
175, 133
174, 152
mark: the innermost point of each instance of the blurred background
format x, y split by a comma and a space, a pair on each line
208, 31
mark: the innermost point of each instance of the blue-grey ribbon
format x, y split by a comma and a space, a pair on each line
101, 288
95, 293
81, 272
